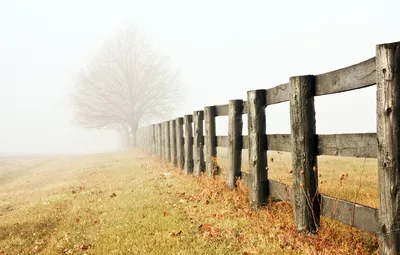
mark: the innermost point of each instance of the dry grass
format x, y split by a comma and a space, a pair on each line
125, 204
352, 179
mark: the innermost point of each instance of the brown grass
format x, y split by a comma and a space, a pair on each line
352, 179
126, 204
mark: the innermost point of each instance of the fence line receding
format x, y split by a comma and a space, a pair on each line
183, 143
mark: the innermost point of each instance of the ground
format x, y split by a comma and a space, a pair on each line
132, 203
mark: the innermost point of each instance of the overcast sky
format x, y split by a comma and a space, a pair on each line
222, 48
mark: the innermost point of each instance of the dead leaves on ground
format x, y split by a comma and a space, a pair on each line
176, 233
208, 231
77, 247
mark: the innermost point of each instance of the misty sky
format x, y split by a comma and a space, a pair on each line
222, 49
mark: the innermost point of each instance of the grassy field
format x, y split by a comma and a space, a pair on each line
133, 204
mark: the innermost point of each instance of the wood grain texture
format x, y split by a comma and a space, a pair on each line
304, 154
234, 153
163, 141
245, 142
198, 148
188, 168
245, 178
159, 140
345, 79
348, 145
222, 141
167, 141
172, 138
388, 134
362, 145
280, 191
258, 191
180, 150
210, 141
279, 142
356, 215
222, 110
278, 94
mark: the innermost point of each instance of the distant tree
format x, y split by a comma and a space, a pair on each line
126, 85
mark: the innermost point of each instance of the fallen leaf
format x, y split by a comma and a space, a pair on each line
176, 233
205, 227
165, 213
67, 251
83, 246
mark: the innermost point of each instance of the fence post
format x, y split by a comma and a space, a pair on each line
188, 144
304, 154
172, 134
258, 188
162, 141
159, 142
153, 140
167, 142
158, 149
164, 128
388, 134
180, 143
198, 153
234, 156
210, 141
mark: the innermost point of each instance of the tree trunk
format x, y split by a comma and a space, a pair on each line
134, 127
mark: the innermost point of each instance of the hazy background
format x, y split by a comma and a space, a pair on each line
222, 48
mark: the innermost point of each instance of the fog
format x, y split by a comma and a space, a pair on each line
222, 49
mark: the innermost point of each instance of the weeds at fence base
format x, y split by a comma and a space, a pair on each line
268, 230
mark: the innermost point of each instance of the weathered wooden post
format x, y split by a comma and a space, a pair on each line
198, 151
149, 138
188, 144
210, 141
162, 140
153, 139
234, 157
172, 137
159, 142
167, 142
155, 142
388, 134
180, 153
304, 154
258, 188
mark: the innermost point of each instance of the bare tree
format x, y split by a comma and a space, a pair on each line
128, 84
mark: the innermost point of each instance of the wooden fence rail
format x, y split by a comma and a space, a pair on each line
182, 142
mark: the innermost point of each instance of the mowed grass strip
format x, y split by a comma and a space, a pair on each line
134, 204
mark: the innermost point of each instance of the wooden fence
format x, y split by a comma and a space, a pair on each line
194, 151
